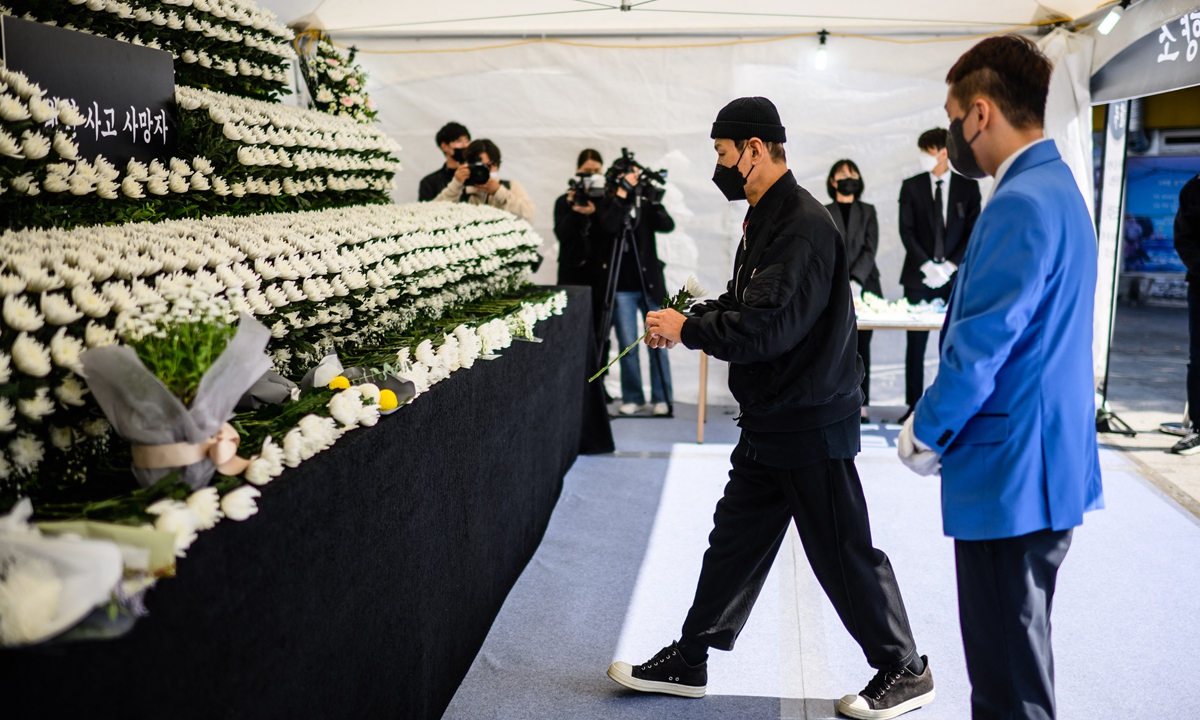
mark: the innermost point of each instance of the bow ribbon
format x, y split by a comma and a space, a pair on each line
220, 448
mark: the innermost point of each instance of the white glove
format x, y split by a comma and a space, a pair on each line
855, 289
937, 274
919, 457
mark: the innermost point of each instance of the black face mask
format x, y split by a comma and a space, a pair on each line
849, 186
730, 181
958, 149
460, 155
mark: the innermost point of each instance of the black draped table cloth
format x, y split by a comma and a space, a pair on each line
370, 576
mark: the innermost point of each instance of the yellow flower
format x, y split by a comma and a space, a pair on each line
387, 400
339, 383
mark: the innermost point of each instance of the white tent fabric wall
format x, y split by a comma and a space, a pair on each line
544, 102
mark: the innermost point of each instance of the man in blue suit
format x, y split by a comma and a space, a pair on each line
1010, 420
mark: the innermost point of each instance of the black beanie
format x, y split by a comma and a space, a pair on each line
749, 117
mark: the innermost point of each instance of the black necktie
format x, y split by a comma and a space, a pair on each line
939, 225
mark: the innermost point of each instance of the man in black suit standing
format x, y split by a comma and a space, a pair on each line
938, 209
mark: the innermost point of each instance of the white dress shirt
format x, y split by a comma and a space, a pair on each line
1008, 162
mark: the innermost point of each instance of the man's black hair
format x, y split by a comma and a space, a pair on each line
1009, 69
483, 145
450, 132
934, 139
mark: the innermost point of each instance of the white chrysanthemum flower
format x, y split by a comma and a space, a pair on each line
239, 504
38, 406
98, 336
694, 288
41, 111
206, 504
293, 446
177, 518
96, 428
68, 114
90, 302
177, 183
137, 170
61, 437
65, 147
424, 353
344, 407
67, 351
30, 356
131, 188
9, 147
70, 393
7, 416
156, 186
19, 315
35, 146
26, 452
5, 368
59, 310
12, 109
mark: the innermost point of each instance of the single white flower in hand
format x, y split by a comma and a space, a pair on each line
694, 288
239, 504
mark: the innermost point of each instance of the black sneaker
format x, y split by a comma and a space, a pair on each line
1189, 445
665, 673
890, 693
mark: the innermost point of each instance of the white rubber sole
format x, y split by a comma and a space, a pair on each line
846, 707
622, 674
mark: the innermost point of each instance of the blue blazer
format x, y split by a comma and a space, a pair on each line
1013, 407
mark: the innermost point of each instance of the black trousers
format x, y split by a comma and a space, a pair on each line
1193, 368
864, 350
1005, 592
826, 502
914, 355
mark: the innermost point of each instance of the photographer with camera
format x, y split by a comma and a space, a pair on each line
477, 183
574, 213
453, 140
633, 217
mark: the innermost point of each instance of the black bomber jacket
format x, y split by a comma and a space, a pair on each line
786, 321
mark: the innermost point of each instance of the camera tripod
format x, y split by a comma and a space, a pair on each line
627, 236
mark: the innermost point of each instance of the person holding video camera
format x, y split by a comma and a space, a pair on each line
574, 213
453, 140
477, 182
637, 204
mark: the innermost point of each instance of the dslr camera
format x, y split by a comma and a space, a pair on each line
650, 184
588, 188
480, 174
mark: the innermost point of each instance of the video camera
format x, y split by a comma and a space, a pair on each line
588, 188
650, 181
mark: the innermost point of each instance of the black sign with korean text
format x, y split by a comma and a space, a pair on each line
1166, 59
126, 91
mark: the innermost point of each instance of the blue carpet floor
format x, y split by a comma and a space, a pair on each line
615, 574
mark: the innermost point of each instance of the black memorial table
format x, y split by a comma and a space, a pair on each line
369, 578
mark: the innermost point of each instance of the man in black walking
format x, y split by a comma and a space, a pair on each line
938, 209
1187, 244
786, 326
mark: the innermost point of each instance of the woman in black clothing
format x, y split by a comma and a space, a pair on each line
573, 226
856, 222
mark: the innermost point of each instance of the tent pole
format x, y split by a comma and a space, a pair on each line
1108, 232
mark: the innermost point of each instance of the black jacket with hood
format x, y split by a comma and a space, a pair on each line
786, 321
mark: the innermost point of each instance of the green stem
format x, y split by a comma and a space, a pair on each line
623, 352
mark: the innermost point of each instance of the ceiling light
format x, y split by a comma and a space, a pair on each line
1114, 16
822, 59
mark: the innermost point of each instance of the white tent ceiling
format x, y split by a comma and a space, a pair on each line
606, 17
